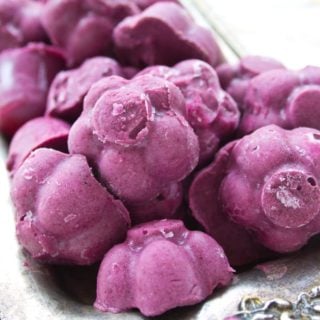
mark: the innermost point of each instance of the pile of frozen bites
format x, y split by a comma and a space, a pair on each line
128, 130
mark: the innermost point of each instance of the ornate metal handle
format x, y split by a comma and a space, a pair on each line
307, 307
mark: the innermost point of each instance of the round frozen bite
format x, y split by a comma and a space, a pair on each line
287, 98
63, 215
164, 34
160, 266
83, 28
235, 78
39, 132
210, 111
240, 246
20, 23
136, 137
25, 77
272, 186
67, 91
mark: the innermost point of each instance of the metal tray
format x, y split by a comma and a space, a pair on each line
283, 289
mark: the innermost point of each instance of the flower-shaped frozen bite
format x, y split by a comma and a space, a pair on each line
20, 23
235, 78
206, 207
84, 27
210, 111
39, 132
160, 266
69, 87
271, 186
134, 134
25, 77
164, 34
63, 214
287, 98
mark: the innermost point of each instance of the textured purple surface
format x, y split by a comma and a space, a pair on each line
20, 23
235, 78
289, 99
210, 111
83, 28
136, 137
207, 208
67, 91
63, 215
271, 186
25, 77
161, 265
164, 34
39, 132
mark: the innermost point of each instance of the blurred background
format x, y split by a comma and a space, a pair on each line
287, 30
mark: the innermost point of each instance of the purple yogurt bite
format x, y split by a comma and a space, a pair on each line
164, 34
136, 137
20, 23
25, 77
210, 111
63, 215
271, 186
83, 28
286, 98
206, 207
67, 91
235, 78
37, 133
160, 266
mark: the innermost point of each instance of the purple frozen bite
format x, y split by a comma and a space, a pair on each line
63, 214
160, 266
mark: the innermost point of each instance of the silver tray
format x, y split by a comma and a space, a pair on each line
283, 289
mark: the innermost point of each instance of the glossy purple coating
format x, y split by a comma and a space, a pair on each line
63, 215
271, 186
210, 111
25, 77
206, 207
287, 98
20, 23
83, 28
164, 34
160, 266
136, 137
37, 133
235, 78
67, 91
143, 4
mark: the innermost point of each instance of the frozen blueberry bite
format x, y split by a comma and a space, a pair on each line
210, 111
39, 132
67, 91
287, 98
240, 246
271, 186
164, 34
20, 23
63, 215
235, 78
160, 266
136, 137
25, 77
83, 28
